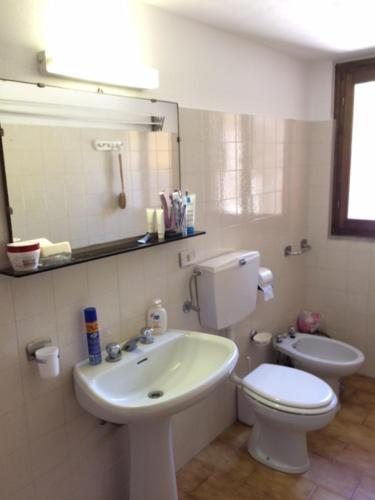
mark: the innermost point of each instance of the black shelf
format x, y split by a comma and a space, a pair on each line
95, 252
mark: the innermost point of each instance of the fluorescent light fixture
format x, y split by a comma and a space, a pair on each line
120, 73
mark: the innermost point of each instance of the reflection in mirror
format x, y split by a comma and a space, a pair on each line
62, 153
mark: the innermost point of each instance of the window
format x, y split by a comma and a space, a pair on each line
353, 200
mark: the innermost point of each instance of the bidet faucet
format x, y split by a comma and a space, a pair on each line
146, 337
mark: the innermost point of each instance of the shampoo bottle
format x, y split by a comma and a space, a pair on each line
157, 317
93, 338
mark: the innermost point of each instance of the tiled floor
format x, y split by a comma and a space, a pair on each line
342, 460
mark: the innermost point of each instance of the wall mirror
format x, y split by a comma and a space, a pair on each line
61, 152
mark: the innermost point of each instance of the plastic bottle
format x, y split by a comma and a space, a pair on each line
157, 317
190, 213
93, 337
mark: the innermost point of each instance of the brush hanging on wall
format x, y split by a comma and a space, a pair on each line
115, 146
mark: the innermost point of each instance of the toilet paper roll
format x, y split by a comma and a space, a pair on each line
265, 276
48, 361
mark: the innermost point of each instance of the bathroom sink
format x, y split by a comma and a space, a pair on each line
158, 379
145, 388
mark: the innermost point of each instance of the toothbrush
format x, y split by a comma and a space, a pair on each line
173, 215
164, 206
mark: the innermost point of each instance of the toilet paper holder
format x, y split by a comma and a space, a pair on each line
33, 346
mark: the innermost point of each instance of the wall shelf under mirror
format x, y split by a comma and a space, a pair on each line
66, 158
101, 251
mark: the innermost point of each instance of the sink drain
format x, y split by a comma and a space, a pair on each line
155, 394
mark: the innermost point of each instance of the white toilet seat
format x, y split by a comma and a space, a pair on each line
290, 409
289, 390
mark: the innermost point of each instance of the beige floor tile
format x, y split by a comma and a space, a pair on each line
359, 383
236, 435
333, 476
184, 496
324, 446
351, 433
354, 413
217, 454
218, 487
365, 490
360, 398
370, 419
324, 494
239, 467
358, 460
193, 474
279, 486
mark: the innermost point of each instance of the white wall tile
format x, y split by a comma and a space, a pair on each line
223, 158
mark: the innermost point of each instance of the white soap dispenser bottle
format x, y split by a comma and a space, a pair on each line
157, 317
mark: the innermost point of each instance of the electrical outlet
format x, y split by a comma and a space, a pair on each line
187, 258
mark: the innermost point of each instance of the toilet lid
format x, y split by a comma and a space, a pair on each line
289, 386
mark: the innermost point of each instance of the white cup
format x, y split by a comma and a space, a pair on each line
48, 361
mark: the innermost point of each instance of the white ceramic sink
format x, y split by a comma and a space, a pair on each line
184, 366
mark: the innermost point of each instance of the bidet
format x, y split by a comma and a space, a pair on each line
327, 358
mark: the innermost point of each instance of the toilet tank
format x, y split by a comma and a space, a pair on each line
227, 288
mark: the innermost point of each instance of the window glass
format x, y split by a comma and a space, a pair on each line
362, 164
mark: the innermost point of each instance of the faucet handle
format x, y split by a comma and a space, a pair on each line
147, 336
114, 352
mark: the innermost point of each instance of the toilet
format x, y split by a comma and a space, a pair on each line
283, 403
287, 403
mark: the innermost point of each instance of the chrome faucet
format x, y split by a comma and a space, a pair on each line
292, 332
146, 337
114, 352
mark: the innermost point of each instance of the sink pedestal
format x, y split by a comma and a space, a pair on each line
152, 471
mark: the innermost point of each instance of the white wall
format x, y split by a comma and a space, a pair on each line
320, 78
200, 67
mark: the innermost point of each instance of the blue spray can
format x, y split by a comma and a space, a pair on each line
93, 338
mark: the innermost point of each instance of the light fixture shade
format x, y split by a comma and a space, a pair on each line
133, 76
